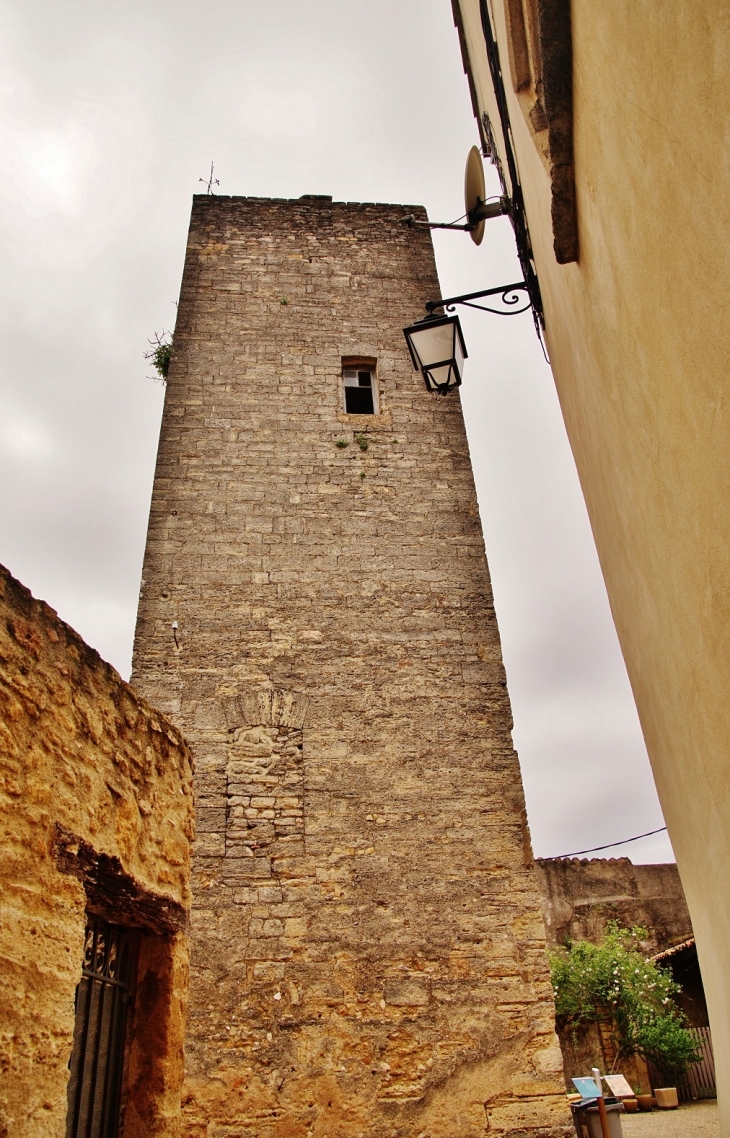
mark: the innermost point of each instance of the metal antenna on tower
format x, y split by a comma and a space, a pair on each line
210, 182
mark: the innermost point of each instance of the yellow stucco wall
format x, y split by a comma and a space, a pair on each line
639, 337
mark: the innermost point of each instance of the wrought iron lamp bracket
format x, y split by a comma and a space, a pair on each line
509, 296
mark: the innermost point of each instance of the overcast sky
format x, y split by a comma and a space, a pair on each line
111, 113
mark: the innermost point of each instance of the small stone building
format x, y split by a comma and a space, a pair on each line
367, 948
580, 897
95, 826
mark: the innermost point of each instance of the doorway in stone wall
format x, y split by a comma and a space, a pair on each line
100, 1031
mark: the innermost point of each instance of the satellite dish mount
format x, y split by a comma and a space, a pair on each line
509, 299
477, 209
439, 335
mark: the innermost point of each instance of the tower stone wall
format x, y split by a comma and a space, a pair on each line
368, 952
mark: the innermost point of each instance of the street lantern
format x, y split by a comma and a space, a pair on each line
436, 344
438, 351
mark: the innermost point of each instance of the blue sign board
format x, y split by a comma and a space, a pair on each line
587, 1088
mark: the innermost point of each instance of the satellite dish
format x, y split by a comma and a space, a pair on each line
474, 193
477, 209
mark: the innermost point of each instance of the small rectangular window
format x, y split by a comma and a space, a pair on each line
360, 390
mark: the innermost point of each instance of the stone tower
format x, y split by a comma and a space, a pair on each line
368, 952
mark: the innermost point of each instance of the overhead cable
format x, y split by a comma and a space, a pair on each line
610, 845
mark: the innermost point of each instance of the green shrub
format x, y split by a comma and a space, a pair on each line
160, 353
614, 980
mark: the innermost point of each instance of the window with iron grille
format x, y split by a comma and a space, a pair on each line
97, 1059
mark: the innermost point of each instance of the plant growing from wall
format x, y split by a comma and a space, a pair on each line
614, 980
160, 353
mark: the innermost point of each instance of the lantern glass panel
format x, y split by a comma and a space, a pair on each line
459, 352
442, 376
433, 343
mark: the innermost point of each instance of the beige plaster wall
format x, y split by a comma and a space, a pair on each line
639, 337
95, 811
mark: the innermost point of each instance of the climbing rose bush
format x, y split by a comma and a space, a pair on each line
614, 980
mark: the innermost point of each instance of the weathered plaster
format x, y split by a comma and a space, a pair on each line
638, 334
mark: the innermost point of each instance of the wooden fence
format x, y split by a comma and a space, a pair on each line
700, 1081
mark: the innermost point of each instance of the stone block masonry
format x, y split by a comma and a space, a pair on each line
96, 818
368, 953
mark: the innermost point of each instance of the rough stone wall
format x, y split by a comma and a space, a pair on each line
580, 897
95, 810
367, 953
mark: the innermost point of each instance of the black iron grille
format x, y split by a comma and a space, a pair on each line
97, 1058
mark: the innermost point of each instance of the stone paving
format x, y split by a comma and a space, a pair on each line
690, 1120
